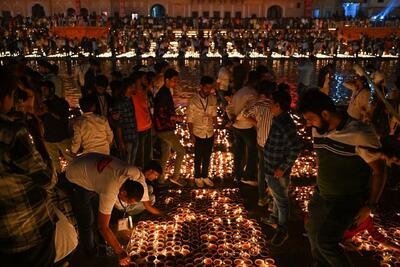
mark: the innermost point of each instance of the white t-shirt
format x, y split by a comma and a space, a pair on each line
104, 175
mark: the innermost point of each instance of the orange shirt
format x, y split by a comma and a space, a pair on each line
142, 111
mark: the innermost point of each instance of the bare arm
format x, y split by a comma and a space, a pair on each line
378, 180
150, 208
109, 237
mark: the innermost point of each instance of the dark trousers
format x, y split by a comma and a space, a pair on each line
85, 207
202, 155
145, 149
328, 220
245, 140
42, 255
262, 184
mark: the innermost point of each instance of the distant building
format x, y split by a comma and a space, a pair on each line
196, 8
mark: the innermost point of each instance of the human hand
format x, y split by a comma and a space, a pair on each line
362, 215
124, 261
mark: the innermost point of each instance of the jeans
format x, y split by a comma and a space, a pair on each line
54, 150
245, 140
262, 185
202, 155
279, 188
85, 207
145, 149
131, 151
170, 140
327, 222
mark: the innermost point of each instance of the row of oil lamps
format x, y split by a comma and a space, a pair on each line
207, 228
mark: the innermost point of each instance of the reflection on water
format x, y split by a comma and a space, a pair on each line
285, 70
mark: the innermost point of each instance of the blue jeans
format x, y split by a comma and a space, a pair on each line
85, 207
262, 185
145, 149
279, 188
245, 140
327, 222
131, 148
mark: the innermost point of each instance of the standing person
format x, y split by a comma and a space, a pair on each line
346, 192
165, 119
143, 118
80, 71
259, 112
202, 118
223, 81
325, 77
90, 77
100, 180
102, 98
92, 133
54, 116
359, 107
280, 152
28, 220
245, 135
26, 223
125, 123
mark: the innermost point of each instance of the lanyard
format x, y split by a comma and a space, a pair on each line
201, 102
123, 206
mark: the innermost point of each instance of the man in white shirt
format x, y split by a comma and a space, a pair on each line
96, 179
80, 71
202, 116
359, 107
223, 81
245, 135
92, 132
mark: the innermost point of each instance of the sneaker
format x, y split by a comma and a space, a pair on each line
208, 182
262, 202
199, 182
270, 221
250, 182
279, 238
178, 182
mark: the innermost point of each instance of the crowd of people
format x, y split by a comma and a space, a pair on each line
286, 36
103, 158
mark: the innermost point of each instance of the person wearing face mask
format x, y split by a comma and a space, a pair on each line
346, 192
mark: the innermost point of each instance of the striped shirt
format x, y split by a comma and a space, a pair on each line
282, 146
343, 158
260, 111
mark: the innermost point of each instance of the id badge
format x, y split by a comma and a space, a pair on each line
123, 224
205, 118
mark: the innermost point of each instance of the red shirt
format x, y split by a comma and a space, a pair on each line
142, 111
